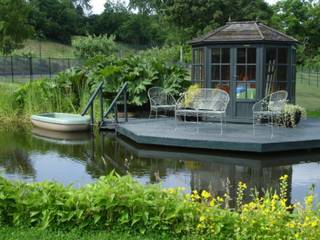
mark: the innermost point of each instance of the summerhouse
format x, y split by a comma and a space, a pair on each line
248, 60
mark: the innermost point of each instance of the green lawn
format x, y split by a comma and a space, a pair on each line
308, 97
48, 49
13, 233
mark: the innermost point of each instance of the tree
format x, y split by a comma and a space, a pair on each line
57, 19
197, 17
14, 27
301, 20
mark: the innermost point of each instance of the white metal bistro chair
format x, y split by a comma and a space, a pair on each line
207, 102
160, 101
270, 107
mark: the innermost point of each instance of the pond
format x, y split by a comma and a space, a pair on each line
38, 155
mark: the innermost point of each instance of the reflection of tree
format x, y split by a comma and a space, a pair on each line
213, 177
16, 161
126, 157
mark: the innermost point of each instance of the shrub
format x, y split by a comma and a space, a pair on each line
115, 202
87, 47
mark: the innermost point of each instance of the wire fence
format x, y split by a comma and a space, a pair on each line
24, 69
308, 75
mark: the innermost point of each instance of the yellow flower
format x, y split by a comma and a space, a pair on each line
202, 218
205, 194
284, 177
219, 199
212, 203
309, 200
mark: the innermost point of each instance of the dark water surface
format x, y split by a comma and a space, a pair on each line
40, 155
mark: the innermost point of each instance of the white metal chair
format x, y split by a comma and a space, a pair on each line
208, 102
270, 107
160, 101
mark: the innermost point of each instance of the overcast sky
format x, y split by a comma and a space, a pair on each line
97, 5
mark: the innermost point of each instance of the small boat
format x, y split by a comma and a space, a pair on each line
63, 122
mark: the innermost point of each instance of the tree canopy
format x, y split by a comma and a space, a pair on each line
152, 22
14, 27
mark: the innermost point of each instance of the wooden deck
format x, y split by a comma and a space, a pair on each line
234, 137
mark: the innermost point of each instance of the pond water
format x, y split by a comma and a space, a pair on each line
38, 155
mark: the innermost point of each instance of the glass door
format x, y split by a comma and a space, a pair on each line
244, 82
246, 79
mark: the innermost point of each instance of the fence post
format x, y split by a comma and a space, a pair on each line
49, 66
30, 68
12, 74
317, 76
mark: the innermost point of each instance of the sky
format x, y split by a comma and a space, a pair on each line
98, 5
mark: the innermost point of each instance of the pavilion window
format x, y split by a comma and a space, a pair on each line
220, 68
198, 69
246, 80
277, 64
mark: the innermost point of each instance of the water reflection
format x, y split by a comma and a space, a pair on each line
80, 159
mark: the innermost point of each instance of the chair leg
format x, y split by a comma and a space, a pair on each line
150, 113
221, 123
253, 124
156, 113
271, 125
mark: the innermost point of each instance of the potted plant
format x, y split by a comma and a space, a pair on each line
292, 115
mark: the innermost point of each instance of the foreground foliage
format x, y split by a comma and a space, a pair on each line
120, 203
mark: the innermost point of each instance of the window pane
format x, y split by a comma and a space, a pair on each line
251, 91
215, 55
251, 55
195, 56
225, 72
241, 73
282, 86
241, 90
196, 73
225, 55
271, 55
215, 84
251, 73
283, 55
201, 55
225, 86
202, 73
241, 55
215, 72
282, 73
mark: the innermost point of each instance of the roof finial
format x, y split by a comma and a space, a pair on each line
229, 20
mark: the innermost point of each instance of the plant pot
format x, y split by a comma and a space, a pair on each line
286, 120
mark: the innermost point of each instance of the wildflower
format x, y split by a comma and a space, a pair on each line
309, 200
202, 218
219, 199
205, 194
212, 202
284, 177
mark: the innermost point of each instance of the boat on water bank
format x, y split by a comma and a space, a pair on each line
62, 122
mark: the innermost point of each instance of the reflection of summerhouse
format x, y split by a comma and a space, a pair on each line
248, 60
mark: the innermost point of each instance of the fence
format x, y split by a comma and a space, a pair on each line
23, 69
308, 75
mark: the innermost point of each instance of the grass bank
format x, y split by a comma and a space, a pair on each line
48, 49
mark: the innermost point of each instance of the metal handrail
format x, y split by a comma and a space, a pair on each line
92, 98
113, 106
